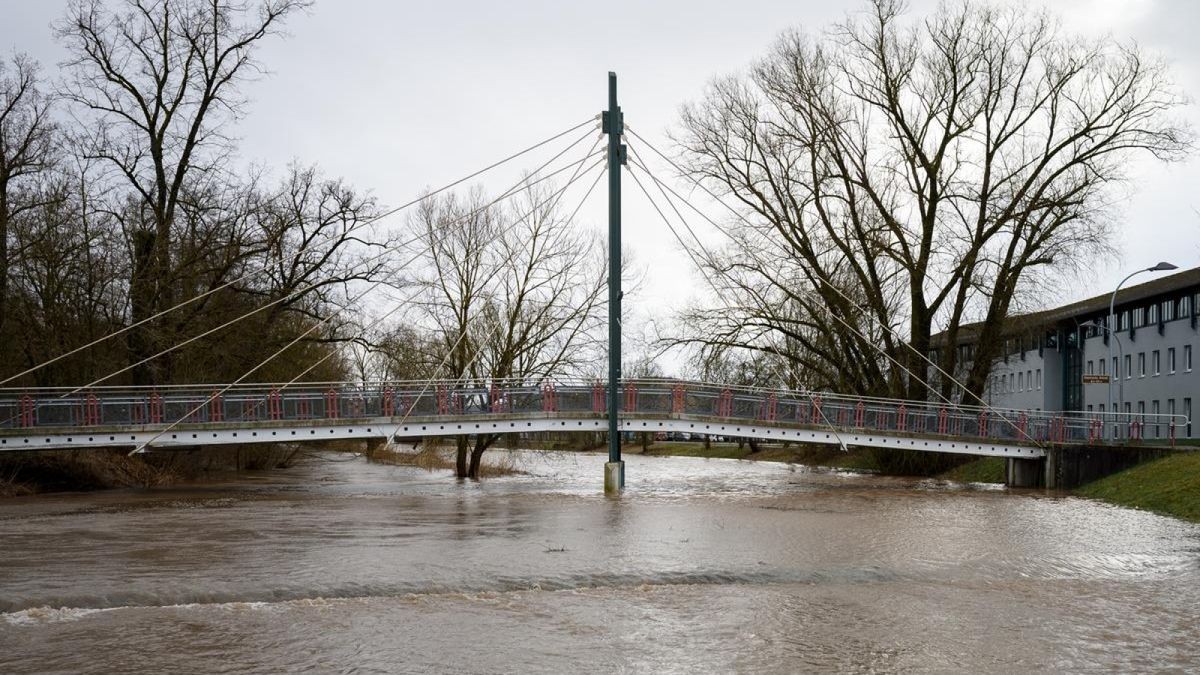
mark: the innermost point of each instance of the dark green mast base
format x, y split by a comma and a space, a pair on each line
614, 126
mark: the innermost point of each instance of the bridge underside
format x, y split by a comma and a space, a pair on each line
198, 435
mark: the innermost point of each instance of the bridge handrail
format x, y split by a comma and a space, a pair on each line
115, 393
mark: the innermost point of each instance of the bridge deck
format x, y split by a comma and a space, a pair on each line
175, 417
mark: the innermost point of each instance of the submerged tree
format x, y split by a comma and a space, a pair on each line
896, 176
508, 292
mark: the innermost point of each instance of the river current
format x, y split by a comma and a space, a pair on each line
339, 565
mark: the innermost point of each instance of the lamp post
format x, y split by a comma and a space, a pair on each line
1160, 267
1120, 357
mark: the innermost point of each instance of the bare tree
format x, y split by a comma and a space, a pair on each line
155, 84
508, 292
26, 151
901, 175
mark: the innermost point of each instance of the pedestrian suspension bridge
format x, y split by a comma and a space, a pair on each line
98, 415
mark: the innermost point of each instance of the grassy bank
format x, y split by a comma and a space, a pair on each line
1170, 486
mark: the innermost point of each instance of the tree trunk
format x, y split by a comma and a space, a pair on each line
753, 445
3, 255
141, 307
482, 443
460, 462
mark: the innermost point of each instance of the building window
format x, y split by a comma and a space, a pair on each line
1139, 317
1012, 381
1155, 362
1168, 310
1153, 318
1101, 408
1103, 366
1039, 378
1090, 367
1020, 381
1116, 369
1187, 358
1141, 416
1171, 361
1185, 307
1141, 364
1090, 408
1124, 321
1154, 412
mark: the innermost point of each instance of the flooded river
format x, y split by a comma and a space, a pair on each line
337, 565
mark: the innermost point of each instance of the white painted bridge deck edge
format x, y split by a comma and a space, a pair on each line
188, 436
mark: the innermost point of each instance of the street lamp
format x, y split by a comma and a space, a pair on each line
1116, 372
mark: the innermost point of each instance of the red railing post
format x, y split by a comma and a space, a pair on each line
443, 400
631, 397
549, 398
494, 398
216, 407
599, 404
983, 424
725, 403
1023, 425
816, 409
772, 407
677, 398
902, 417
89, 410
943, 420
860, 414
332, 404
26, 413
387, 405
275, 405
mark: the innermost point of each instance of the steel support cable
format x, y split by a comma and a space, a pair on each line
403, 303
523, 184
395, 248
984, 404
363, 223
902, 367
430, 381
225, 388
716, 289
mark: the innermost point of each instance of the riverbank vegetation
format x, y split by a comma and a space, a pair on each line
85, 470
1170, 486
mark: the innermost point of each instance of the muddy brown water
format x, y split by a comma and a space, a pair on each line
337, 565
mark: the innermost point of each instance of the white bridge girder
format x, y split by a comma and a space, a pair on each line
191, 436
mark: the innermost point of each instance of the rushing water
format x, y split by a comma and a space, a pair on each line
702, 566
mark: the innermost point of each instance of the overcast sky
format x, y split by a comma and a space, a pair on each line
398, 96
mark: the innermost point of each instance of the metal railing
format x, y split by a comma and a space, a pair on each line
253, 403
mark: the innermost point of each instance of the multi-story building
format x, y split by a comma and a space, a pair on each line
1059, 359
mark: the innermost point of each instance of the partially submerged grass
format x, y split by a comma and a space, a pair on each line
1170, 485
432, 457
981, 470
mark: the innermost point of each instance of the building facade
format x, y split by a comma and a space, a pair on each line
1059, 359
